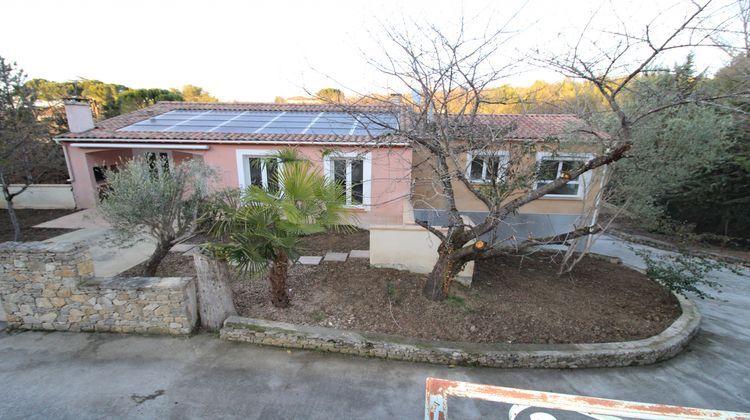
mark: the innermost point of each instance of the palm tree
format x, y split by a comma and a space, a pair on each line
259, 230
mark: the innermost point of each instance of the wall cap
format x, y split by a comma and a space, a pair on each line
645, 351
138, 283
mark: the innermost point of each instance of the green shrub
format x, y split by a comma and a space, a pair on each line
682, 273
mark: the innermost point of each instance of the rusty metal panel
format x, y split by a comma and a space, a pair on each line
520, 403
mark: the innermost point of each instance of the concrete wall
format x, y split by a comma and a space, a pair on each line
52, 287
519, 226
411, 247
43, 196
408, 247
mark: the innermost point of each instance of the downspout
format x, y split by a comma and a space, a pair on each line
71, 178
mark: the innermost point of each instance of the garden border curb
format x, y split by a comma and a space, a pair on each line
662, 346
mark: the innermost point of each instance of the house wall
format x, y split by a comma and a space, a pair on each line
390, 185
428, 193
81, 163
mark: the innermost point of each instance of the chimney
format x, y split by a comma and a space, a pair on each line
395, 98
78, 112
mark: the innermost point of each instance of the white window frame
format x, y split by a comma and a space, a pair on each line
143, 152
502, 155
366, 159
584, 181
243, 166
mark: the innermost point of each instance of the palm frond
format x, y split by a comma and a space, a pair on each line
257, 225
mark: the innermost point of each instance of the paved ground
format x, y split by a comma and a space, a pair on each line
62, 375
110, 257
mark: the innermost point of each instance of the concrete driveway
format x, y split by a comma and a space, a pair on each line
110, 254
59, 375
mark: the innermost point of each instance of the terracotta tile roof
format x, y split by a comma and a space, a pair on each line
529, 126
108, 129
532, 126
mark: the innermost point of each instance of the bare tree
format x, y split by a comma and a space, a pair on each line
25, 146
448, 75
614, 61
733, 36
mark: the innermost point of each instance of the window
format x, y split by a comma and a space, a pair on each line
258, 167
550, 167
353, 171
348, 172
263, 172
157, 159
483, 167
100, 172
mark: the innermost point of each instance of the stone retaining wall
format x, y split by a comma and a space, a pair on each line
640, 352
52, 287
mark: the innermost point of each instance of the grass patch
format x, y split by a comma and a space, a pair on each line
318, 316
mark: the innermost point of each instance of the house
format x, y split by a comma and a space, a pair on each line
229, 136
390, 183
551, 145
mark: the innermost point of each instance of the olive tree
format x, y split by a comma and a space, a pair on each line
148, 196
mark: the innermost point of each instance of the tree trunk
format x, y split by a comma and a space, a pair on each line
277, 277
215, 302
14, 220
439, 281
161, 251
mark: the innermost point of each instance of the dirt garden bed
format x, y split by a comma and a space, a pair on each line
512, 300
321, 243
29, 218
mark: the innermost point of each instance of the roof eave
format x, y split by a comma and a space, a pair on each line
228, 141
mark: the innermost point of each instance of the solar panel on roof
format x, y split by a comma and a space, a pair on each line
264, 122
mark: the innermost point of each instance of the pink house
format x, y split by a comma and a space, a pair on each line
228, 136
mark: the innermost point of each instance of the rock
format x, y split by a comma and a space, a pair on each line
48, 317
43, 303
162, 311
75, 315
57, 302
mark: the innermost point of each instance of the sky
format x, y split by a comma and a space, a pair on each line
255, 51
